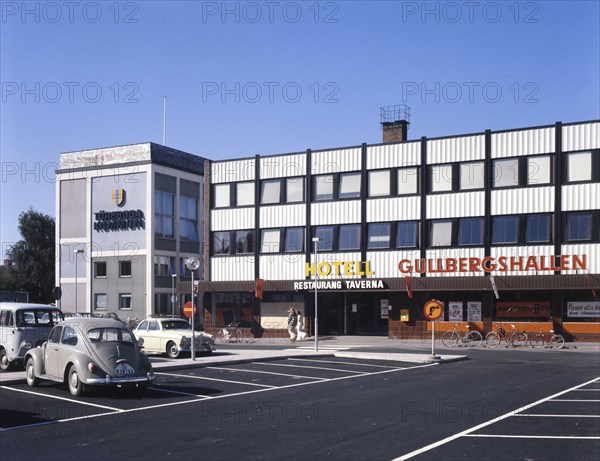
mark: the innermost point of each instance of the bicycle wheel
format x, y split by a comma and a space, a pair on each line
536, 341
222, 337
557, 342
492, 339
473, 339
518, 339
449, 339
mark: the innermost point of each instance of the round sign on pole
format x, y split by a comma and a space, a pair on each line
433, 309
187, 309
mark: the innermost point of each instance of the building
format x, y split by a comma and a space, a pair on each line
501, 226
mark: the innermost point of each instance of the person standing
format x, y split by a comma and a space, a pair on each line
292, 323
300, 327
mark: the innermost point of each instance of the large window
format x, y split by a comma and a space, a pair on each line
471, 176
538, 228
294, 190
325, 236
163, 214
349, 237
188, 218
221, 243
506, 173
579, 226
408, 181
271, 192
406, 235
324, 187
378, 235
539, 170
294, 240
441, 178
222, 193
164, 266
379, 183
350, 185
244, 242
470, 231
579, 166
244, 193
505, 229
270, 241
441, 234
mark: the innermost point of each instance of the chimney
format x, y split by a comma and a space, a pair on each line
394, 122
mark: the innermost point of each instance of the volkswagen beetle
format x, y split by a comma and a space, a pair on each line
89, 352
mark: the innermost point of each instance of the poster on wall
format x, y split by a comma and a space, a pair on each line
474, 311
583, 309
455, 312
385, 308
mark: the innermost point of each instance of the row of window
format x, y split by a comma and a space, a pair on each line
506, 230
101, 301
163, 266
100, 270
164, 216
453, 177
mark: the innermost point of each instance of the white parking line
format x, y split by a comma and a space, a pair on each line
79, 402
570, 437
572, 400
214, 379
558, 416
345, 363
269, 373
307, 366
490, 422
189, 394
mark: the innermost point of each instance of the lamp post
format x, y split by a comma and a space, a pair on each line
193, 263
173, 299
316, 242
76, 252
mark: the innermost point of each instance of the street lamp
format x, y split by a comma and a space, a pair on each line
76, 252
193, 263
316, 241
173, 299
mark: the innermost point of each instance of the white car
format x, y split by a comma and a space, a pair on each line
172, 336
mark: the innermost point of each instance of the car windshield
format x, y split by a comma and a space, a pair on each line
37, 317
105, 335
176, 325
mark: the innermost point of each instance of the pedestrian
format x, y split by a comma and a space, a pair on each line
292, 323
301, 333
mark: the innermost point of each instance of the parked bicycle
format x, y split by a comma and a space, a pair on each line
232, 333
546, 339
471, 338
517, 338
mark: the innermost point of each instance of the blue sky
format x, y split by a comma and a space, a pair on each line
246, 78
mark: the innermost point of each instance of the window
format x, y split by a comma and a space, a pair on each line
538, 228
163, 214
324, 187
184, 271
408, 180
441, 178
244, 242
378, 235
271, 192
579, 166
505, 229
294, 240
579, 226
470, 231
124, 300
350, 185
222, 194
69, 336
55, 335
325, 236
349, 237
379, 183
100, 301
270, 241
244, 194
221, 243
406, 237
441, 233
164, 265
539, 170
188, 218
6, 318
506, 173
100, 269
124, 268
294, 190
471, 176
162, 304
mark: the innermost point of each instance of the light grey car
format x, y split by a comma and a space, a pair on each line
89, 352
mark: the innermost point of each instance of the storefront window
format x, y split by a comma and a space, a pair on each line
406, 236
244, 193
579, 226
471, 176
506, 173
470, 231
350, 185
379, 183
325, 236
349, 237
538, 228
505, 229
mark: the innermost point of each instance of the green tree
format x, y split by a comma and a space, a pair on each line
34, 257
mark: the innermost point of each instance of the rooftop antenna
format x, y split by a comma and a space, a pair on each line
164, 120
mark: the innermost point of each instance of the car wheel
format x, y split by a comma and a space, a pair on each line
5, 364
172, 350
32, 380
76, 387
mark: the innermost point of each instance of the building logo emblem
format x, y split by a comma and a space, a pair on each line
118, 197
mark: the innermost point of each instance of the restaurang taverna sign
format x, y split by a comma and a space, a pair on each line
339, 268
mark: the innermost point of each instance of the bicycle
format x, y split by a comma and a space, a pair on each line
229, 334
541, 339
518, 338
471, 338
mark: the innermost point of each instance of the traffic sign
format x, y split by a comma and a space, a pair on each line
433, 309
187, 309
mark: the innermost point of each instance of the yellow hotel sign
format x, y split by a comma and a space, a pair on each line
339, 268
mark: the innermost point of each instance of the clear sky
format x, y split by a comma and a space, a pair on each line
268, 77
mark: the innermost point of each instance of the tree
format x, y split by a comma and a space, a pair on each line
34, 257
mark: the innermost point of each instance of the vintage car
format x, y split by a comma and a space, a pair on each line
90, 352
172, 336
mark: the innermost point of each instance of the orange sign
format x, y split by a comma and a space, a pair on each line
433, 309
187, 309
260, 285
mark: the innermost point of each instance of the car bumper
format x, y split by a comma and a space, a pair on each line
121, 380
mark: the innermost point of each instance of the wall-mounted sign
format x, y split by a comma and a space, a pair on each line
474, 311
358, 284
343, 268
455, 312
385, 308
108, 221
583, 309
521, 309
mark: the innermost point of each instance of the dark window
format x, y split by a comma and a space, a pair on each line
188, 218
221, 243
538, 228
349, 237
163, 214
100, 269
470, 231
55, 335
325, 236
69, 336
124, 300
294, 240
378, 235
124, 268
406, 237
579, 226
244, 242
505, 229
